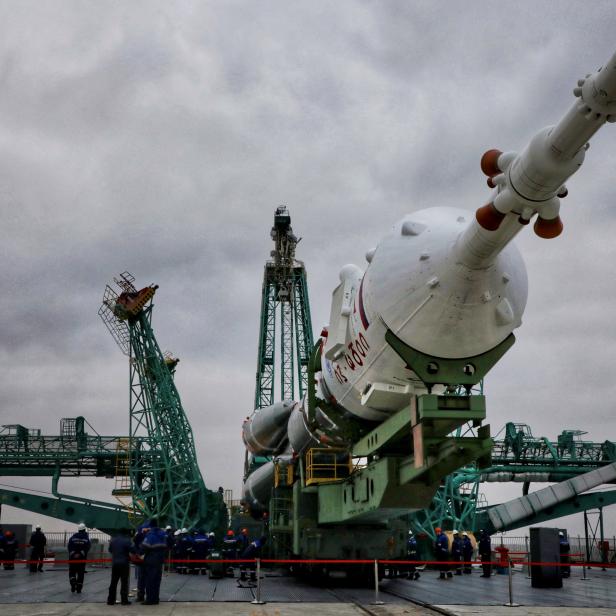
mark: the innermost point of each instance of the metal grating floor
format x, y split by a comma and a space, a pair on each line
52, 586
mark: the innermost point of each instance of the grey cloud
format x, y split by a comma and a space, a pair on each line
160, 137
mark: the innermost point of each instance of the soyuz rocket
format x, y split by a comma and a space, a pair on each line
445, 281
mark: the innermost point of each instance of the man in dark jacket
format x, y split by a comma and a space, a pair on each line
485, 553
467, 553
154, 551
200, 550
411, 554
78, 548
242, 541
38, 541
253, 550
138, 560
120, 547
456, 552
229, 551
441, 550
10, 549
184, 550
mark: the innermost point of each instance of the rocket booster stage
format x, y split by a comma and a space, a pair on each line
447, 283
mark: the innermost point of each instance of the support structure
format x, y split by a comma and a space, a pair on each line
284, 304
594, 536
164, 475
518, 457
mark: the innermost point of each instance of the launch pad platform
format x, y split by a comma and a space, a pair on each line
27, 594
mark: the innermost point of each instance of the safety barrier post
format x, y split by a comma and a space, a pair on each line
584, 578
511, 603
376, 584
528, 576
257, 599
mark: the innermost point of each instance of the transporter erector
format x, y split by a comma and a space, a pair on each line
390, 379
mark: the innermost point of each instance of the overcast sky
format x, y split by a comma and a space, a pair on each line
159, 137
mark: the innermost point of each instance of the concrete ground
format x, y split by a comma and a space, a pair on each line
48, 594
283, 609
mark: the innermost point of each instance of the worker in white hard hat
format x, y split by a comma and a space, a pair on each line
78, 548
38, 541
456, 552
411, 554
467, 553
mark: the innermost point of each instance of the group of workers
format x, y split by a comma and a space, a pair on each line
149, 549
454, 558
9, 545
186, 546
460, 556
191, 549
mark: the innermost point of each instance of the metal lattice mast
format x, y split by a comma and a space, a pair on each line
303, 339
284, 304
165, 478
287, 389
264, 391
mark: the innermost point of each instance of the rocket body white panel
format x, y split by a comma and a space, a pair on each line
417, 286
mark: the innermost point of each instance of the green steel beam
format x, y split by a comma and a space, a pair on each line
25, 452
303, 327
287, 383
264, 390
582, 502
71, 509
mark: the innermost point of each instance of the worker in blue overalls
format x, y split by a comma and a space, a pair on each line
252, 550
38, 541
78, 548
229, 552
441, 550
467, 553
485, 553
411, 554
10, 545
184, 551
154, 552
200, 549
456, 552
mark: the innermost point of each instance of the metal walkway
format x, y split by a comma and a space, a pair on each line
599, 590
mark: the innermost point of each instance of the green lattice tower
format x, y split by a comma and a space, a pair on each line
284, 303
165, 478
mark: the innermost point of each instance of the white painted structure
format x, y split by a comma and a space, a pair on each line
448, 283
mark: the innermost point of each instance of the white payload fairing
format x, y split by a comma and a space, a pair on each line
446, 282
